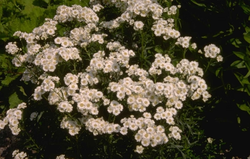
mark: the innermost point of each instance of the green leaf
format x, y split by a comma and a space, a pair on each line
247, 89
8, 80
2, 106
247, 62
239, 77
246, 8
1, 29
244, 107
22, 90
221, 32
247, 29
239, 54
39, 116
247, 37
247, 75
4, 61
158, 49
198, 4
1, 12
236, 42
47, 1
218, 71
245, 81
238, 120
14, 100
238, 64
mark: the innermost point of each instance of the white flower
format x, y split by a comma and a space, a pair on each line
97, 7
131, 100
109, 129
138, 25
2, 124
33, 115
133, 126
157, 116
120, 95
60, 156
219, 58
13, 122
15, 130
158, 32
51, 31
58, 40
147, 115
159, 109
138, 137
73, 131
65, 106
139, 149
15, 152
160, 129
145, 142
116, 111
210, 140
170, 121
124, 131
178, 104
194, 45
146, 135
94, 111
21, 155
176, 135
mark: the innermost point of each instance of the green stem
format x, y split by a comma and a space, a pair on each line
217, 88
184, 53
142, 49
155, 78
110, 146
77, 147
32, 140
74, 65
85, 49
208, 65
17, 6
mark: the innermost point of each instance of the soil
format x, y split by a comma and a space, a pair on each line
7, 143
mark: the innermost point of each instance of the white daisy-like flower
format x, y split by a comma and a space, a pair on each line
139, 149
138, 25
124, 131
145, 142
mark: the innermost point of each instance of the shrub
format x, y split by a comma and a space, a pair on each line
105, 74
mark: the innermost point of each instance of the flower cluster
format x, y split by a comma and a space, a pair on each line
99, 126
212, 51
13, 116
147, 133
16, 154
71, 125
109, 80
12, 48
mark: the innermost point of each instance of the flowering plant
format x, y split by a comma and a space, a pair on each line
118, 73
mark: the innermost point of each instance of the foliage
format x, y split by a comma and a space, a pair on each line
227, 23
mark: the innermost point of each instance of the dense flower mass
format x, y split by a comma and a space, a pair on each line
107, 76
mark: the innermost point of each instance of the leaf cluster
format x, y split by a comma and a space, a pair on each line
227, 23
